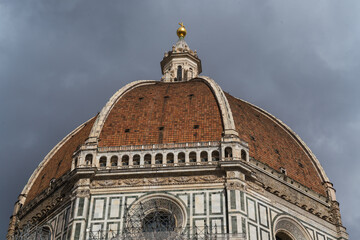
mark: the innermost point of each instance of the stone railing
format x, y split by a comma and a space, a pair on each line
159, 146
182, 164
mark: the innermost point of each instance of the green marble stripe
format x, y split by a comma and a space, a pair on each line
232, 199
77, 231
234, 224
80, 207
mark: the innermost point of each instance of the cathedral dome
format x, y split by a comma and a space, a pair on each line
179, 156
184, 112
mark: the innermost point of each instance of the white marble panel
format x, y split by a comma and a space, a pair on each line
320, 237
215, 203
60, 223
273, 214
184, 198
130, 200
263, 215
96, 227
52, 224
112, 230
115, 208
199, 223
99, 208
217, 223
199, 203
265, 235
311, 232
251, 210
252, 232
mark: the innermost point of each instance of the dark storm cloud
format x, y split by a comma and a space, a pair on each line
61, 60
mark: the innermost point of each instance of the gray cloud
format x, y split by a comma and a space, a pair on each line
61, 60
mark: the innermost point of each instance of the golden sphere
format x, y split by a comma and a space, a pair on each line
181, 31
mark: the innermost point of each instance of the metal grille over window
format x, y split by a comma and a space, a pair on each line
158, 221
153, 219
29, 232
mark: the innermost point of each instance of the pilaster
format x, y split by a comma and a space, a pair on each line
81, 201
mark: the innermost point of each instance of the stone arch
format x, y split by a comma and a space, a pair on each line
89, 159
192, 156
228, 152
151, 203
181, 157
243, 155
204, 156
147, 159
46, 232
191, 73
125, 160
159, 159
283, 235
102, 161
215, 156
170, 158
288, 228
136, 160
114, 161
179, 73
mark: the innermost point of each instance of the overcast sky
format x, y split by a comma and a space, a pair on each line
60, 61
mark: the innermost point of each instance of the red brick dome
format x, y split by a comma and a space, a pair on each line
152, 112
163, 113
58, 161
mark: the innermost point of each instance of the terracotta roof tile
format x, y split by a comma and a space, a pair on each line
163, 113
60, 163
273, 145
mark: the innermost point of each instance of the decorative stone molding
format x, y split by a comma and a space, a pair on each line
157, 181
230, 132
280, 177
82, 182
235, 175
107, 183
40, 213
255, 186
291, 227
231, 174
81, 193
293, 200
235, 185
57, 188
